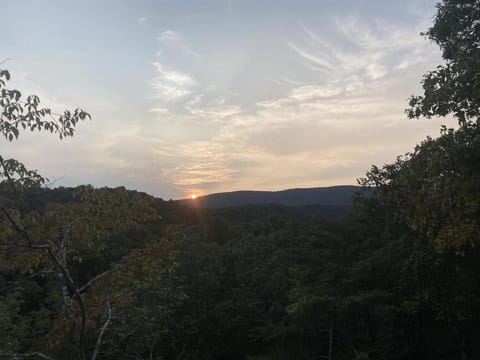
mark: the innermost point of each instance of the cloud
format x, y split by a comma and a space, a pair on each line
310, 92
198, 164
159, 110
207, 162
216, 113
376, 71
341, 110
175, 40
171, 84
356, 52
327, 128
311, 105
323, 63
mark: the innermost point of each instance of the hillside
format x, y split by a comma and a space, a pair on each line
336, 196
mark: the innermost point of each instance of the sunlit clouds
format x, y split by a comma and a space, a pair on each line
171, 84
172, 38
239, 97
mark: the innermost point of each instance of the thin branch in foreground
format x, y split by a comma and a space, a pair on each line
90, 282
24, 356
48, 248
102, 331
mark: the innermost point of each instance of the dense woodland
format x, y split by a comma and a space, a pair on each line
105, 273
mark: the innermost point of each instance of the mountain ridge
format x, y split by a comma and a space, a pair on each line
338, 195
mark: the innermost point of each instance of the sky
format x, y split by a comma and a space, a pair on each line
205, 96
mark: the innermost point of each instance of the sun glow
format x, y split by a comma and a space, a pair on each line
193, 196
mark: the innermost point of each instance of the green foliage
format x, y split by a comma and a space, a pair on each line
17, 113
453, 88
434, 190
11, 325
18, 176
197, 297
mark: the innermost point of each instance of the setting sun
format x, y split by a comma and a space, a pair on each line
193, 196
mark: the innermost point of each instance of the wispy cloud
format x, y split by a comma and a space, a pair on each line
168, 36
174, 39
207, 162
216, 114
159, 110
299, 104
352, 96
355, 48
171, 84
322, 62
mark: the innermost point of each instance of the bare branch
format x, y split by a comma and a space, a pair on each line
75, 290
21, 230
90, 282
53, 181
24, 356
102, 331
49, 251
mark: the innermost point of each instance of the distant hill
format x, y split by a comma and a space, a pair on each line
334, 196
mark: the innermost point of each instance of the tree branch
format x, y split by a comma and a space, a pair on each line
23, 356
49, 251
90, 282
102, 331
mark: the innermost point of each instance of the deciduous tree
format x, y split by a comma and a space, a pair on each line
453, 88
